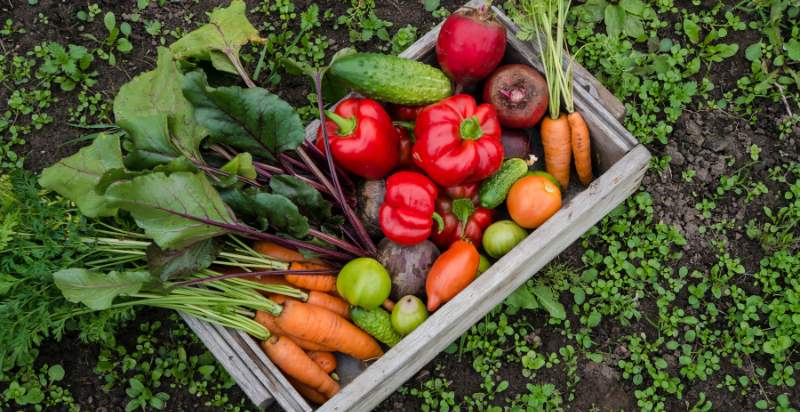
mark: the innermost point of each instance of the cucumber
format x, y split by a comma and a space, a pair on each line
493, 191
391, 79
377, 322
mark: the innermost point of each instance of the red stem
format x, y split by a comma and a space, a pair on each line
336, 242
254, 274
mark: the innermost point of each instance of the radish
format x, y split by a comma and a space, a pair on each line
519, 93
470, 45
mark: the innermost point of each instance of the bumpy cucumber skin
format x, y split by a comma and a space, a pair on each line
392, 79
377, 322
493, 191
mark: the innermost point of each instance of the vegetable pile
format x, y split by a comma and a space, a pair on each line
216, 205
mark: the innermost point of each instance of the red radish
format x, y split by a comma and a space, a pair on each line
470, 45
519, 93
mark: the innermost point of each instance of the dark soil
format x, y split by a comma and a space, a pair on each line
702, 141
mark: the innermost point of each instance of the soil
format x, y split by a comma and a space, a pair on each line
703, 141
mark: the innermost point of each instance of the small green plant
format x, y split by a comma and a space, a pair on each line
67, 67
88, 15
115, 41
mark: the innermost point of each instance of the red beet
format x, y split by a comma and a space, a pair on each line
519, 93
470, 45
515, 144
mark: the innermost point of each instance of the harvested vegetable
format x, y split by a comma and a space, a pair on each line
391, 79
268, 321
322, 283
562, 134
364, 282
362, 138
493, 191
501, 237
277, 251
293, 361
332, 303
407, 265
532, 200
369, 196
519, 93
325, 360
470, 45
463, 217
377, 322
407, 212
451, 273
322, 326
458, 141
515, 144
307, 392
484, 265
408, 313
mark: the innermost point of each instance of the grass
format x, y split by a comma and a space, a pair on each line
675, 331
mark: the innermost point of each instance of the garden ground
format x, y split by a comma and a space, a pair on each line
685, 298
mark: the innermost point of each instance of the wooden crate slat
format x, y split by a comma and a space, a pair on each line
491, 288
229, 357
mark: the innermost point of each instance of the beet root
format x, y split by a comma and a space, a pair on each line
519, 94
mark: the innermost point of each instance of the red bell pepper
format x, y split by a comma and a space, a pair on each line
458, 141
408, 210
406, 143
362, 137
461, 200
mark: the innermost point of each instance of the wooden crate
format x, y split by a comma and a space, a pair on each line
620, 163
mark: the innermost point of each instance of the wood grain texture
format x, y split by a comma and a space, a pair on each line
487, 291
230, 358
617, 155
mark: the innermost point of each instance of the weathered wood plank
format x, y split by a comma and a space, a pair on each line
488, 290
229, 356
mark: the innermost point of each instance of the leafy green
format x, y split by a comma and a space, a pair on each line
156, 93
169, 263
241, 165
263, 210
157, 202
308, 199
76, 177
251, 120
227, 30
47, 238
151, 141
98, 290
549, 301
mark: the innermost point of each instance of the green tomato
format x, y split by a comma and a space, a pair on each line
364, 282
484, 264
501, 236
408, 313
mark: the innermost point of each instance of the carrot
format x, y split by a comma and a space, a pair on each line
326, 328
581, 147
388, 304
307, 392
322, 283
277, 251
451, 272
325, 360
557, 148
268, 321
271, 280
334, 304
294, 362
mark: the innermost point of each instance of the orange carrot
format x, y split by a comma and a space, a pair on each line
451, 272
388, 304
294, 362
581, 147
268, 321
325, 360
334, 304
277, 251
557, 148
271, 280
326, 328
307, 392
322, 283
